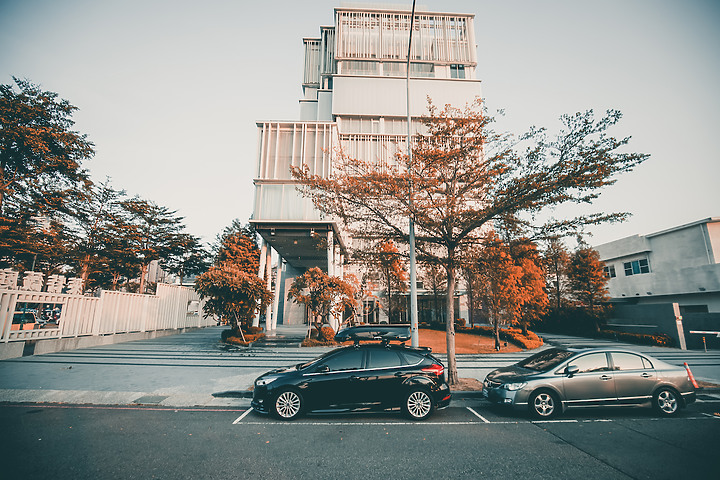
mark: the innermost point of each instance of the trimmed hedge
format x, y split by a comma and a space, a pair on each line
251, 334
660, 340
513, 335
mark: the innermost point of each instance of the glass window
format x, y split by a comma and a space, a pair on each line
457, 71
627, 361
593, 362
545, 360
647, 363
384, 359
609, 271
394, 69
347, 360
422, 70
412, 358
355, 67
636, 267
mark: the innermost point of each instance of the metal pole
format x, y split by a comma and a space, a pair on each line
414, 340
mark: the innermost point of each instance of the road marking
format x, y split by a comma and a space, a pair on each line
554, 421
361, 424
478, 415
239, 419
713, 415
121, 407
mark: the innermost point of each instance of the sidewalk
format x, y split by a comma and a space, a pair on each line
196, 369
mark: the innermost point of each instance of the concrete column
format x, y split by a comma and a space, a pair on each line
330, 253
261, 273
279, 288
268, 310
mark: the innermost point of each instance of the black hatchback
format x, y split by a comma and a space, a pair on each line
364, 376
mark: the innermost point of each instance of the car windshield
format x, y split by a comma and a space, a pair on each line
315, 360
545, 360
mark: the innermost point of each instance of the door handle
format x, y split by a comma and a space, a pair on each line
605, 377
646, 375
354, 378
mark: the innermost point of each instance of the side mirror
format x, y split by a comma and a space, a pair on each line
322, 369
571, 370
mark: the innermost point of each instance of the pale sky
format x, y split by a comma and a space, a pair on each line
170, 91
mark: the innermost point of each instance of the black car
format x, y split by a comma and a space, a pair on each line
364, 376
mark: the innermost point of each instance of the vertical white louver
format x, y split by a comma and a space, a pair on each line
384, 36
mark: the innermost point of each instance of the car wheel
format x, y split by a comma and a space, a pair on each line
544, 404
418, 404
666, 401
288, 405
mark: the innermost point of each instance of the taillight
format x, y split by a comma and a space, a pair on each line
435, 369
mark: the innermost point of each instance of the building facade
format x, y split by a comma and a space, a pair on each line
354, 99
679, 265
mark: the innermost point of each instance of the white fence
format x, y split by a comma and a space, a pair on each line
173, 307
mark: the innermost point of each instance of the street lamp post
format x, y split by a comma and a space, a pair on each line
414, 340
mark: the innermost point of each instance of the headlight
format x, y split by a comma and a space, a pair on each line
264, 381
513, 386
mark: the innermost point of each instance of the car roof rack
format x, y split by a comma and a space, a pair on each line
385, 333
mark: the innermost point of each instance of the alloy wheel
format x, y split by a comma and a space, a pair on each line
544, 405
667, 402
288, 404
419, 404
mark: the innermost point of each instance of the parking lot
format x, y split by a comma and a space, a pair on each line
470, 439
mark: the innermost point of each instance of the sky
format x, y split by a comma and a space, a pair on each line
170, 91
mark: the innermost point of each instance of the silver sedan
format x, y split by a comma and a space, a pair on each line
556, 379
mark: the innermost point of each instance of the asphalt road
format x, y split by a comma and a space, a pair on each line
176, 408
469, 440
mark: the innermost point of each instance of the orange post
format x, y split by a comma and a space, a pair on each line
690, 376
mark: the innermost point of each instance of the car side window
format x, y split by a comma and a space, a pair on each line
592, 362
627, 361
384, 358
411, 358
347, 360
647, 363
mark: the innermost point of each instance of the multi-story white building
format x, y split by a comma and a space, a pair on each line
354, 97
679, 265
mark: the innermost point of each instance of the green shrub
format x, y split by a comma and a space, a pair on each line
660, 340
513, 335
326, 333
235, 338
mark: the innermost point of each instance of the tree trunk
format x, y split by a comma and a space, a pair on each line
452, 375
85, 272
143, 274
496, 332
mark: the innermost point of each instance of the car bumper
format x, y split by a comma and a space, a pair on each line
260, 402
500, 396
443, 396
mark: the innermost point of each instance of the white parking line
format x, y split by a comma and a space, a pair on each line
362, 424
239, 419
715, 416
478, 415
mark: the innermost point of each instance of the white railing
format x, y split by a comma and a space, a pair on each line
173, 307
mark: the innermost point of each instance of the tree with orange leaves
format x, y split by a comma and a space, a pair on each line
463, 178
322, 294
393, 271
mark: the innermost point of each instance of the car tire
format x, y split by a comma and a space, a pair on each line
418, 404
288, 405
666, 402
544, 405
